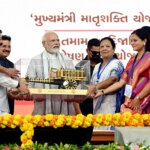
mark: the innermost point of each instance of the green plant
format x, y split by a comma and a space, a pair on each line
87, 146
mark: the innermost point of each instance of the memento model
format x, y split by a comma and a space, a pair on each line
66, 79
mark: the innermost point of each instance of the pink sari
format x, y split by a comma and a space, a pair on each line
141, 77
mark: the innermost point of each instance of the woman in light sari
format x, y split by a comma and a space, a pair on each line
105, 73
136, 76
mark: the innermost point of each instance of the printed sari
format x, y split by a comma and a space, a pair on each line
108, 103
141, 77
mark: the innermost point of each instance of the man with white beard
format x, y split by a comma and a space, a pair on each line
39, 68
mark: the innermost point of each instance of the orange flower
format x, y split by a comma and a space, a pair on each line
52, 122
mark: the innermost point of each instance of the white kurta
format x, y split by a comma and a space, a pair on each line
5, 82
39, 68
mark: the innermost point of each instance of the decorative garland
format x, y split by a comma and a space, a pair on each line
27, 123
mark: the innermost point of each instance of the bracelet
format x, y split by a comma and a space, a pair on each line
137, 97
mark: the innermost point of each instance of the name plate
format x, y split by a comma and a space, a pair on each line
58, 91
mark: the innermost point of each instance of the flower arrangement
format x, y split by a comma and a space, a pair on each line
27, 123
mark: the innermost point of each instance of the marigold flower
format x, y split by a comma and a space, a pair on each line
99, 119
28, 123
49, 117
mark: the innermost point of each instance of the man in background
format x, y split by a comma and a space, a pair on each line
93, 56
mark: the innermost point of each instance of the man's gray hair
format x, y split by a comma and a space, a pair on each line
44, 37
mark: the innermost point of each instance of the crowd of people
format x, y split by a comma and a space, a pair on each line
112, 87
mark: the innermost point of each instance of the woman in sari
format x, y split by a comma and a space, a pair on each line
105, 73
136, 76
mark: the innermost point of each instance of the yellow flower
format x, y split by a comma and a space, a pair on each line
26, 126
1, 118
12, 126
6, 119
108, 117
3, 126
145, 117
23, 138
28, 123
18, 117
116, 119
69, 120
36, 119
88, 121
27, 118
127, 114
46, 123
29, 134
79, 120
29, 143
99, 119
49, 117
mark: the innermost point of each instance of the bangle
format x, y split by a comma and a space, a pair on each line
137, 97
103, 92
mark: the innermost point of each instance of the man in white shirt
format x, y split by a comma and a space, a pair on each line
6, 83
5, 80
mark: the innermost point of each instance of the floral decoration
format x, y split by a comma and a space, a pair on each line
27, 123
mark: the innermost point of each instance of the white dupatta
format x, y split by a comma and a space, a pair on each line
54, 103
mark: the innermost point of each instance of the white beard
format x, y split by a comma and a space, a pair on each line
53, 50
